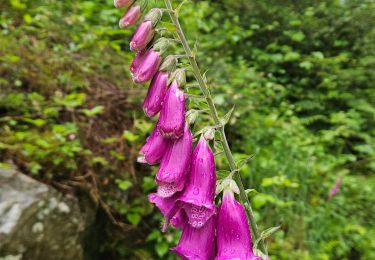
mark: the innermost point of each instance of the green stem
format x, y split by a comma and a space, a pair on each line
214, 114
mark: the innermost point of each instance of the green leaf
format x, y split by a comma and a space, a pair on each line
161, 248
94, 111
134, 218
130, 136
123, 184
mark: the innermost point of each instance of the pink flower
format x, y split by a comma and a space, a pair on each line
174, 167
165, 205
155, 94
335, 188
152, 152
197, 199
197, 243
130, 17
172, 116
142, 36
134, 66
233, 233
122, 3
145, 65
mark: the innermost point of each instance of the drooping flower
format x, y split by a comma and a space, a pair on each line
165, 205
130, 17
122, 3
153, 150
142, 36
137, 61
197, 243
155, 94
233, 233
172, 115
174, 167
145, 66
197, 199
158, 87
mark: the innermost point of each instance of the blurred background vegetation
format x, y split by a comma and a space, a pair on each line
301, 74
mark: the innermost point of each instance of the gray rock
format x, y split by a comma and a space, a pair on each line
38, 222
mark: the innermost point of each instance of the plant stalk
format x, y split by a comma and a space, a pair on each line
214, 114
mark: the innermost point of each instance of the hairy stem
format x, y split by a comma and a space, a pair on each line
214, 114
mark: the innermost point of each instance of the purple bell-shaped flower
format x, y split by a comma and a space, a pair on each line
130, 17
142, 36
197, 199
145, 65
122, 3
165, 205
233, 233
155, 94
153, 150
197, 243
172, 116
175, 165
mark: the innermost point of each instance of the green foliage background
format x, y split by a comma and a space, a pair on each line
301, 74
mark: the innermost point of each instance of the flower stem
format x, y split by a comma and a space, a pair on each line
214, 114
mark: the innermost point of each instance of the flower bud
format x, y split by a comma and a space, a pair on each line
153, 150
122, 3
154, 16
146, 67
142, 36
130, 17
197, 243
169, 64
233, 233
191, 116
209, 134
155, 94
179, 76
172, 115
161, 45
175, 165
165, 205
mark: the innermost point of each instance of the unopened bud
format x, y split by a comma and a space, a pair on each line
154, 16
169, 64
179, 76
191, 116
161, 45
209, 134
122, 3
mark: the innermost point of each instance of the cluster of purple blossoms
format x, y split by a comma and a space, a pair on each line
186, 178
